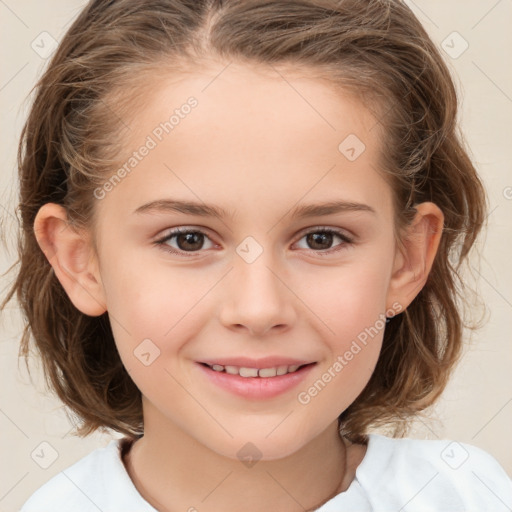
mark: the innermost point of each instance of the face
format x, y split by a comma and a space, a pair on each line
266, 278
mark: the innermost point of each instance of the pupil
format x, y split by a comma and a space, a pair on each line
189, 238
316, 238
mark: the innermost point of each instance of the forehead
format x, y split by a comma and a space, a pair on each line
249, 132
249, 106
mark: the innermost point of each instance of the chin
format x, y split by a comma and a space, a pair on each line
255, 446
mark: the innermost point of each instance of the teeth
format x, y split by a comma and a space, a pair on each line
268, 372
281, 370
254, 372
248, 372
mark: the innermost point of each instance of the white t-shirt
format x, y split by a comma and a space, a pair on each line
395, 475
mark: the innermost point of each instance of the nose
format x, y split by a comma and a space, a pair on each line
257, 298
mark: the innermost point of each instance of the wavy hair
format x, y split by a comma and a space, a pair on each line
374, 49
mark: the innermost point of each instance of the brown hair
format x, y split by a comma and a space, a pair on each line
376, 49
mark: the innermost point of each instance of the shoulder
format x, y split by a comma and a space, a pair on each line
440, 474
98, 481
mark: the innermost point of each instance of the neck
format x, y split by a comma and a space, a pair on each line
173, 471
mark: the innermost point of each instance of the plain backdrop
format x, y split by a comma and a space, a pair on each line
476, 408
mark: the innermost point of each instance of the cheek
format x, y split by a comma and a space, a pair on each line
356, 322
152, 318
351, 307
147, 297
350, 298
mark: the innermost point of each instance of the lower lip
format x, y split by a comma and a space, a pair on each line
256, 388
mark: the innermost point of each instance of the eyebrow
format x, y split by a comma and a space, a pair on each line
205, 210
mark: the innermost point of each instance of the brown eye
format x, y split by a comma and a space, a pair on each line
322, 239
192, 241
182, 241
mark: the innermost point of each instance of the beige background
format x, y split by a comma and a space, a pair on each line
477, 406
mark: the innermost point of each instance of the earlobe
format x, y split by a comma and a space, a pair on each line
414, 259
72, 258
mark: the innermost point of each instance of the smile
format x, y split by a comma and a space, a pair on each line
255, 383
255, 372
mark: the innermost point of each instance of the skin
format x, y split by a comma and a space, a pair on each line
256, 147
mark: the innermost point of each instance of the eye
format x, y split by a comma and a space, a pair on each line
321, 240
187, 241
184, 240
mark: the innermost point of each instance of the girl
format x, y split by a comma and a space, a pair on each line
242, 229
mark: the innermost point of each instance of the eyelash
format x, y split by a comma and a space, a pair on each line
161, 243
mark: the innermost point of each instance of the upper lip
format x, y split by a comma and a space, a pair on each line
264, 362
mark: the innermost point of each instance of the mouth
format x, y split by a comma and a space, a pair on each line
261, 381
247, 371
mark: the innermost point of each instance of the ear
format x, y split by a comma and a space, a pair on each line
413, 261
72, 257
